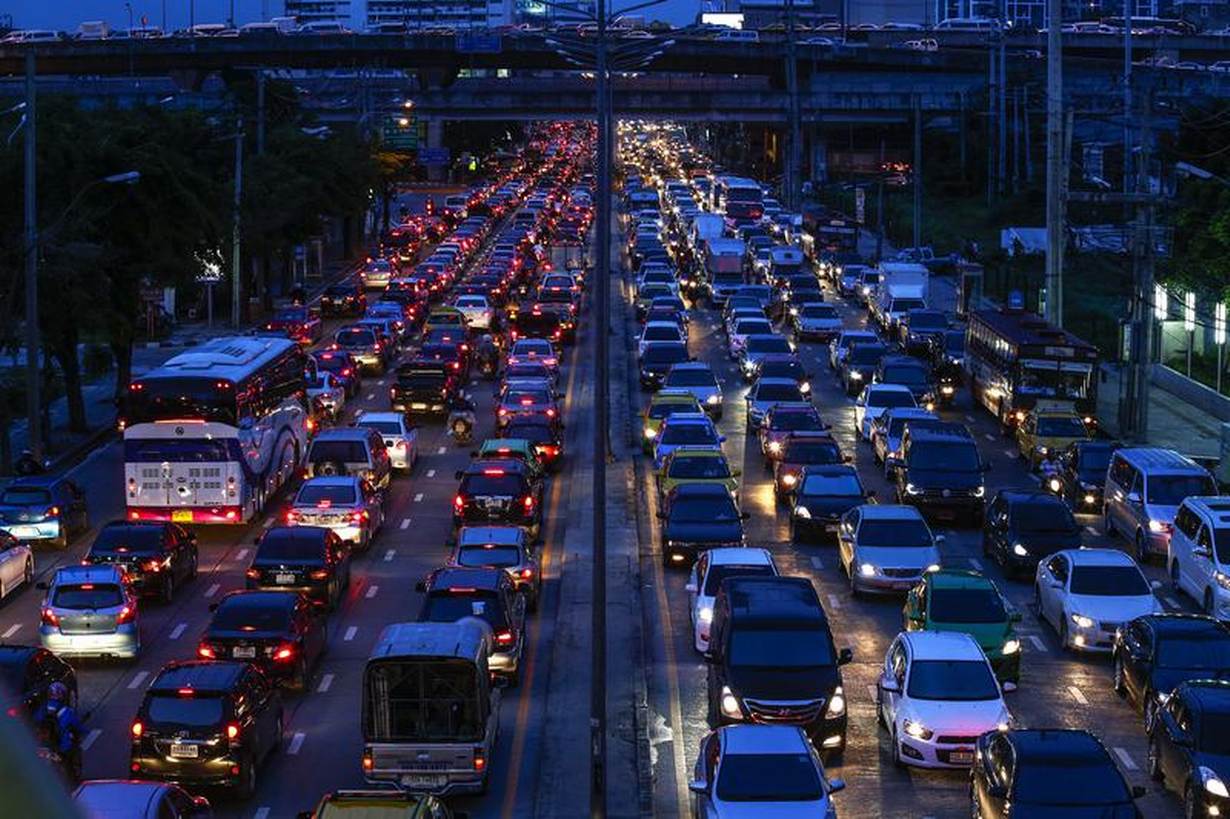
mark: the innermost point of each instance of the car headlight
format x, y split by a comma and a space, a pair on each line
1011, 646
730, 704
775, 447
911, 489
651, 433
837, 704
866, 291
1019, 550
917, 730
1222, 579
934, 567
802, 512
788, 479
749, 365
805, 387
947, 389
705, 614
1082, 621
1212, 783
1159, 526
979, 491
1090, 499
1162, 697
867, 569
713, 400
1054, 484
794, 311
855, 375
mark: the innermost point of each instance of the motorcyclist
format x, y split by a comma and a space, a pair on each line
65, 729
28, 465
1049, 466
461, 409
298, 296
487, 354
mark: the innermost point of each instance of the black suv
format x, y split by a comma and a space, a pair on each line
823, 494
347, 299
940, 472
308, 559
910, 373
423, 387
499, 491
1155, 653
157, 557
772, 659
1188, 740
1024, 526
1082, 475
859, 365
206, 723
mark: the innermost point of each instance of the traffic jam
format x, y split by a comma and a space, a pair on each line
334, 533
896, 568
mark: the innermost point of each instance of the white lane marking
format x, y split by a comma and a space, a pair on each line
442, 450
1034, 478
268, 522
90, 738
11, 630
261, 813
241, 554
418, 497
381, 382
969, 419
1077, 695
405, 523
212, 590
976, 563
371, 592
371, 396
1125, 758
1170, 601
388, 556
326, 681
1091, 531
296, 742
1011, 453
178, 631
834, 602
816, 563
431, 473
988, 436
350, 633
1037, 641
137, 679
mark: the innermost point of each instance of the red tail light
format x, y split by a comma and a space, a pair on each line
206, 652
502, 412
127, 615
53, 512
232, 730
137, 729
550, 413
358, 517
152, 566
286, 651
253, 574
505, 637
319, 574
526, 574
459, 502
50, 618
480, 761
292, 516
346, 373
529, 502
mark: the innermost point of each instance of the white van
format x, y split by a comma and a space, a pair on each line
1144, 487
1199, 555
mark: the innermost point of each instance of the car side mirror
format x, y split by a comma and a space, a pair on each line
420, 587
1202, 551
939, 540
845, 656
1133, 498
698, 786
836, 785
889, 684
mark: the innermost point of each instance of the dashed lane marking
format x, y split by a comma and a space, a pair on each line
241, 554
442, 450
431, 473
326, 682
371, 592
969, 419
816, 563
1091, 531
261, 813
988, 436
137, 679
371, 396
834, 602
1011, 453
178, 631
1037, 641
418, 498
90, 738
350, 633
1170, 601
976, 563
11, 630
405, 523
268, 522
1077, 695
212, 590
388, 556
296, 742
1125, 758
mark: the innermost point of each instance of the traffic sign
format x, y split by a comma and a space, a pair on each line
433, 156
478, 44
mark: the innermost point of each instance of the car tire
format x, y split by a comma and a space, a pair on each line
1174, 576
1117, 677
194, 563
279, 727
1063, 636
27, 574
1108, 525
61, 542
855, 592
1142, 554
299, 681
1153, 761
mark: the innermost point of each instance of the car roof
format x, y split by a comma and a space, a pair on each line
511, 466
763, 739
35, 480
1211, 695
909, 412
715, 490
370, 415
889, 511
1098, 557
482, 535
673, 396
1054, 745
332, 480
207, 675
943, 645
958, 579
774, 381
828, 469
883, 387
1184, 624
16, 654
465, 577
118, 797
899, 360
89, 574
739, 556
688, 418
1157, 459
1018, 497
692, 365
260, 599
341, 434
304, 534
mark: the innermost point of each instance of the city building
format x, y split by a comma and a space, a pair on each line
759, 14
436, 14
325, 11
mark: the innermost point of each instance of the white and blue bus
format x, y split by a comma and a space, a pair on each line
740, 200
212, 434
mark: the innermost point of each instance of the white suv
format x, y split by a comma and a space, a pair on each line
1199, 553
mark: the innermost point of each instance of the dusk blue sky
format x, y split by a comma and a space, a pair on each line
66, 14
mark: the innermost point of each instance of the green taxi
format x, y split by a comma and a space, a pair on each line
967, 601
664, 404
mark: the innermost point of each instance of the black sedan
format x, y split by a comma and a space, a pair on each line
696, 517
308, 559
1024, 526
1082, 475
1153, 654
282, 633
1189, 746
157, 557
823, 494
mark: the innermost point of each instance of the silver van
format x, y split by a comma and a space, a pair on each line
1144, 487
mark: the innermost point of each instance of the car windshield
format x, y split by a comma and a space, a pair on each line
451, 605
1205, 650
927, 321
773, 344
778, 392
905, 305
957, 456
890, 398
25, 496
200, 710
768, 778
122, 539
383, 427
716, 574
699, 467
1170, 490
1061, 427
905, 374
1043, 517
906, 532
952, 680
688, 434
316, 494
795, 421
88, 596
819, 311
664, 409
290, 315
660, 333
492, 485
666, 353
788, 648
355, 338
1069, 781
845, 485
298, 544
421, 379
489, 555
1108, 581
691, 378
747, 327
867, 354
347, 452
1093, 461
781, 369
531, 430
968, 605
812, 452
710, 509
238, 614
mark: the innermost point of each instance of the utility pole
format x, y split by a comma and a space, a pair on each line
1142, 258
34, 401
992, 108
1054, 161
236, 275
1001, 69
260, 111
1128, 178
880, 207
794, 164
918, 171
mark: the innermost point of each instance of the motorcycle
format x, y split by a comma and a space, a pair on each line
487, 369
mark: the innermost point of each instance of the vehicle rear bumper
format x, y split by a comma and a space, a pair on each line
124, 642
178, 514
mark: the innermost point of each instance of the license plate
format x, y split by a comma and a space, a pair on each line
21, 532
284, 578
185, 750
424, 781
181, 516
418, 405
244, 652
961, 757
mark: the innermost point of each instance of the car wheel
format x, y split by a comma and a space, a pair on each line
299, 680
193, 564
61, 542
1117, 677
1142, 553
27, 575
1149, 709
1108, 525
1063, 635
277, 736
1174, 576
1153, 761
854, 589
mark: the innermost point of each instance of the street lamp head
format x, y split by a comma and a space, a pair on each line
126, 178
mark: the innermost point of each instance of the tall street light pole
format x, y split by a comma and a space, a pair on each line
34, 402
1054, 163
236, 275
794, 163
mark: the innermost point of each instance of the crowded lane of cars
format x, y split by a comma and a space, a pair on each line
950, 589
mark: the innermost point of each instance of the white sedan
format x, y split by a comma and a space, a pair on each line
877, 399
400, 437
936, 695
710, 569
478, 311
16, 564
1087, 594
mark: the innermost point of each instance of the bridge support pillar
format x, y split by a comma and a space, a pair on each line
819, 157
434, 139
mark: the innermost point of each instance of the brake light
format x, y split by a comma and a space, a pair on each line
319, 574
347, 372
505, 637
291, 516
232, 730
253, 574
480, 760
368, 762
459, 502
152, 566
529, 502
206, 652
502, 412
137, 728
127, 615
526, 574
50, 618
358, 517
52, 512
550, 413
493, 472
285, 652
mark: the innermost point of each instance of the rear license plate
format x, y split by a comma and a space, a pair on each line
181, 516
244, 652
418, 405
284, 578
184, 750
961, 757
424, 781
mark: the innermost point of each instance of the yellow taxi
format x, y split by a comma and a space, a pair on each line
699, 464
663, 404
1044, 432
445, 318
